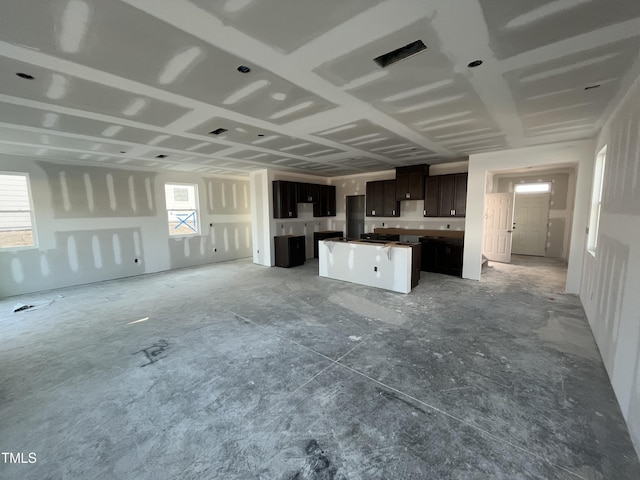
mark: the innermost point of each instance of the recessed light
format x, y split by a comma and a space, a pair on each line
26, 76
162, 155
244, 69
591, 87
475, 63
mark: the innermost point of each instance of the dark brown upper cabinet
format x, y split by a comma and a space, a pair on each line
287, 195
460, 195
381, 199
390, 206
308, 192
431, 195
326, 206
446, 195
373, 199
285, 203
410, 182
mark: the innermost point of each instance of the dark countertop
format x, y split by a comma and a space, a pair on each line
421, 232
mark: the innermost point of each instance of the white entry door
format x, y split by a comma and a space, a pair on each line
530, 223
498, 223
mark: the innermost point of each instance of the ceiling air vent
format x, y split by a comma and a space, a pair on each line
218, 131
400, 53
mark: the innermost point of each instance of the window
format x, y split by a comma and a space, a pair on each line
533, 188
16, 216
596, 201
182, 209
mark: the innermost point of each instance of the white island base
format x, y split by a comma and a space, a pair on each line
378, 265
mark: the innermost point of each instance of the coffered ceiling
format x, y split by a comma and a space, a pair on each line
293, 85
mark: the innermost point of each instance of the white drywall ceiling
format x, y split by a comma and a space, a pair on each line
124, 81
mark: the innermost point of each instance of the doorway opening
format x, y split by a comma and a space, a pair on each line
530, 223
355, 216
528, 215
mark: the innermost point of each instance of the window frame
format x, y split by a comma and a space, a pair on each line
32, 218
196, 209
596, 201
515, 188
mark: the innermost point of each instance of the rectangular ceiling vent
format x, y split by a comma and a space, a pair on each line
400, 53
218, 131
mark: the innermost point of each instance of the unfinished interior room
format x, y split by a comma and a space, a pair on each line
319, 240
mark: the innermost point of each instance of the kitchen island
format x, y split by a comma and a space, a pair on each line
390, 265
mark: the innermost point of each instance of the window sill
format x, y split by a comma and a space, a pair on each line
14, 249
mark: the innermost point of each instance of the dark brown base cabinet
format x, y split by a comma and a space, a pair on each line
442, 255
416, 262
317, 236
290, 250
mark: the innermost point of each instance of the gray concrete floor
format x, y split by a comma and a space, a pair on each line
246, 372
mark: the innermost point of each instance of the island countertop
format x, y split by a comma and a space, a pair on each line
388, 243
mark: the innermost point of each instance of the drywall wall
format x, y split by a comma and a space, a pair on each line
560, 205
96, 192
96, 223
225, 221
262, 208
611, 276
578, 154
411, 211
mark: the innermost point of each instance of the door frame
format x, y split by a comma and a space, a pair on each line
346, 204
516, 226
